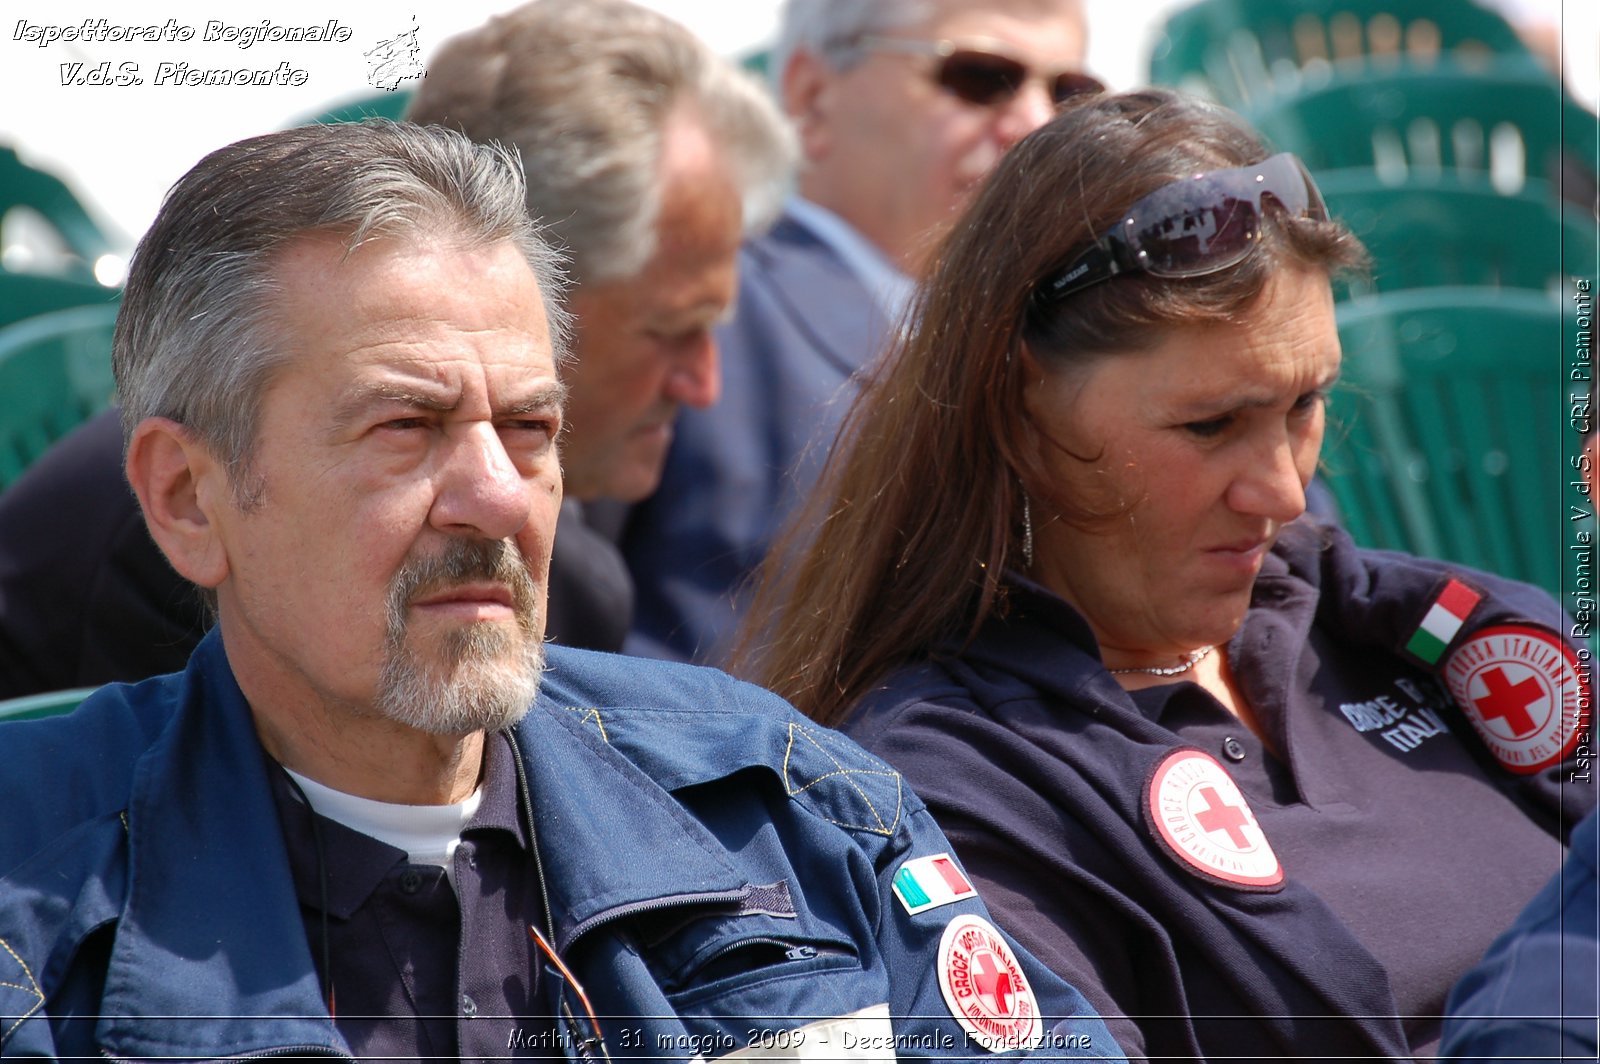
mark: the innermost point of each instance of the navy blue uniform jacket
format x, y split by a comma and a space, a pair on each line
1039, 766
716, 867
1536, 994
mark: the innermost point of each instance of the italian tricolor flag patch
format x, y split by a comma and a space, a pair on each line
929, 882
1442, 621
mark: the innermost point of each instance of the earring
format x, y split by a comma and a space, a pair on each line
1027, 532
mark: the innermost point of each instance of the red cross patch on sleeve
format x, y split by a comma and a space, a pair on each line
1522, 689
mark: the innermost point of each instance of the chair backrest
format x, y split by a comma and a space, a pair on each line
49, 704
47, 196
1424, 234
1451, 432
1502, 127
25, 295
377, 105
1245, 52
55, 372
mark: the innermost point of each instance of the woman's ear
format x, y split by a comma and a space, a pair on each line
1033, 379
180, 485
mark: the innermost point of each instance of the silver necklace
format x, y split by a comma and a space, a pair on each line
1194, 658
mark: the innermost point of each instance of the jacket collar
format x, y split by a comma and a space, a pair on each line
203, 837
821, 296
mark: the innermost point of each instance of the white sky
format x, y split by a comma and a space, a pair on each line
120, 147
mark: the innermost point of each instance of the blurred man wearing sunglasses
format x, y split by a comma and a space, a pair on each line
902, 107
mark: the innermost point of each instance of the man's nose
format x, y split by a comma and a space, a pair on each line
481, 491
695, 376
1025, 112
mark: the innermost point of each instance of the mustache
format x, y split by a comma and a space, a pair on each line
464, 561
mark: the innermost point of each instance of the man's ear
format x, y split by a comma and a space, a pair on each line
809, 95
180, 486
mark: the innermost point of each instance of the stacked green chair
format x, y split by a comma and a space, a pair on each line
49, 704
1451, 432
1509, 129
1244, 53
55, 372
47, 196
23, 295
1448, 232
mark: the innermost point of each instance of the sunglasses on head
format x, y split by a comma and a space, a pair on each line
1194, 226
983, 77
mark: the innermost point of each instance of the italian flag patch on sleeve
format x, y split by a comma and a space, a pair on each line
929, 882
1442, 622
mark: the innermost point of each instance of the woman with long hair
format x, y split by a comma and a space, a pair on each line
1260, 793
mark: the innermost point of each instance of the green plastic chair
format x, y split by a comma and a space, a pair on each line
1508, 129
1246, 52
1425, 234
55, 372
24, 186
1450, 433
377, 105
24, 295
49, 704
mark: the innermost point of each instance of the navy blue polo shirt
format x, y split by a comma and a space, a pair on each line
420, 969
1397, 847
1389, 808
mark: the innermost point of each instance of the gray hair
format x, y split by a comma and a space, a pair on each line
832, 29
195, 340
584, 88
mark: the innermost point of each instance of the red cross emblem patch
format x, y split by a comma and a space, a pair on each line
1201, 817
985, 987
1521, 688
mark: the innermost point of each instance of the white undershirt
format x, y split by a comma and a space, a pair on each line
429, 834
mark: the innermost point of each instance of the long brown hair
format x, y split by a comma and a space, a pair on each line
906, 541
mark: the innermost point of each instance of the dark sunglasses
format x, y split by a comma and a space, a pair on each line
983, 77
1194, 226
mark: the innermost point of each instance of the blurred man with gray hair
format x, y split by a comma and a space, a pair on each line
901, 107
648, 159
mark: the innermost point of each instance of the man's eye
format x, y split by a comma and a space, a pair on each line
538, 425
1209, 427
679, 337
401, 424
1310, 401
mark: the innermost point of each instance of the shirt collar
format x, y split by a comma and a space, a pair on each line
890, 288
356, 863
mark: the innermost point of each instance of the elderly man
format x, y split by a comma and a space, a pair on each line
649, 157
902, 107
341, 830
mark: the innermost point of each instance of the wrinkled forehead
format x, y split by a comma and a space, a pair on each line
408, 300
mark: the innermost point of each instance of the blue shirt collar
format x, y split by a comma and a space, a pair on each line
890, 288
